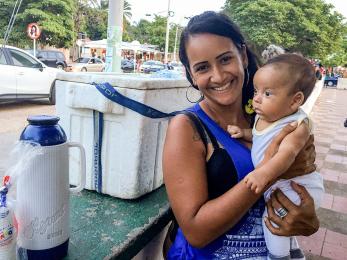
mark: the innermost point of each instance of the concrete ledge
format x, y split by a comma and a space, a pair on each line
307, 107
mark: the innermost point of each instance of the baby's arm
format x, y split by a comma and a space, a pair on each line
237, 132
258, 179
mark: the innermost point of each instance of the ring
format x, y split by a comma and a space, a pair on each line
282, 212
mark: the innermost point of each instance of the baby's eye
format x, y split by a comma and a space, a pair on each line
255, 92
267, 93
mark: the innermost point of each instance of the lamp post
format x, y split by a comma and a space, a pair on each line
169, 14
175, 46
167, 32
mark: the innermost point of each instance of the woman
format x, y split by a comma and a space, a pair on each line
218, 217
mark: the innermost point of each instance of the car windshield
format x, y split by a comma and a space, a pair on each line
82, 60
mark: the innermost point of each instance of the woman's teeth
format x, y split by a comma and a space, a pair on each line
221, 88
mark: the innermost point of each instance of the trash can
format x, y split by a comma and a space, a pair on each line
130, 145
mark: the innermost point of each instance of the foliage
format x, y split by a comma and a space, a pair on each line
93, 21
155, 32
306, 26
53, 16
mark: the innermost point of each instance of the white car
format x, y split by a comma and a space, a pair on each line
24, 77
87, 65
152, 66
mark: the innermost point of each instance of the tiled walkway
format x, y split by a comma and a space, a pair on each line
328, 115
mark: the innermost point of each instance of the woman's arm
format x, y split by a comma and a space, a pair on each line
184, 166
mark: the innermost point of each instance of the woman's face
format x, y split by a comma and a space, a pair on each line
217, 67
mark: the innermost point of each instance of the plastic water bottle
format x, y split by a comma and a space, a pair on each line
7, 229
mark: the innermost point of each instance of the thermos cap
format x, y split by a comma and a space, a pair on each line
43, 129
43, 120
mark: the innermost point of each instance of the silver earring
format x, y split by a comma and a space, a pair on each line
247, 73
190, 88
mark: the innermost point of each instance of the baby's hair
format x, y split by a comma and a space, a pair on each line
299, 71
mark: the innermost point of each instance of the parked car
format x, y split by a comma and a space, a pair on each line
127, 65
87, 64
152, 66
177, 66
24, 77
52, 58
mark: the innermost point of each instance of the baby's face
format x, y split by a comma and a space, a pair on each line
273, 98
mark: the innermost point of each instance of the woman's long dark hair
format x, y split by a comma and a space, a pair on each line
219, 24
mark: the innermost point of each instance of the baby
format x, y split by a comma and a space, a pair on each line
281, 86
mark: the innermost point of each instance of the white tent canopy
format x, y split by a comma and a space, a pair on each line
124, 46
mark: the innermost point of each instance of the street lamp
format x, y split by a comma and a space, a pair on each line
167, 32
186, 17
169, 14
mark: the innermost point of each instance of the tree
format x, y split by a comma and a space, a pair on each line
96, 19
53, 16
154, 32
307, 26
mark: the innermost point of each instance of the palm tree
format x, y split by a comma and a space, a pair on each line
126, 9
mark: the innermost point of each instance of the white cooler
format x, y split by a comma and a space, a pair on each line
131, 147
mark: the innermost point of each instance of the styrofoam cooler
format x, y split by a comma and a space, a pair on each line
131, 151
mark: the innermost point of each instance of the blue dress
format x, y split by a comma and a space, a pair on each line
246, 239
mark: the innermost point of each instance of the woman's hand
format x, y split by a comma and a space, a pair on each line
300, 220
304, 161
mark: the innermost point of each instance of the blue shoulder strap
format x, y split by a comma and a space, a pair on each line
239, 153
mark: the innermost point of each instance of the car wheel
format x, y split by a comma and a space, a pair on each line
84, 69
52, 95
61, 67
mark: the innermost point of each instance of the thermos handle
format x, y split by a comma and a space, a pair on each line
82, 182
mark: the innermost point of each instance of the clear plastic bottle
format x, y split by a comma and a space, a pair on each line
7, 228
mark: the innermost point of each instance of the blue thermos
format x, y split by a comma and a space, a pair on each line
42, 208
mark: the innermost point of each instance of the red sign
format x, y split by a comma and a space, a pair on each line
33, 31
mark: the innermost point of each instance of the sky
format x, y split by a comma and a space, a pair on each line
186, 8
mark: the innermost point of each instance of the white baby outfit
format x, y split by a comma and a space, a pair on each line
279, 247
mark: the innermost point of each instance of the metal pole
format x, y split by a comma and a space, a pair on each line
114, 35
167, 32
175, 43
34, 47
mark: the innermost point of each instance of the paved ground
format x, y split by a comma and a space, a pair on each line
12, 122
328, 115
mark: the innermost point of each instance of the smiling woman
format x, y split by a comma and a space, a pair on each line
217, 215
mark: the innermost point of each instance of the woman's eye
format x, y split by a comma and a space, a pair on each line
201, 68
226, 59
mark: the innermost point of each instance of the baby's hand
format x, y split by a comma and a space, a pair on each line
255, 182
235, 131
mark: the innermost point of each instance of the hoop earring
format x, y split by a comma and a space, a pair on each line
196, 101
247, 73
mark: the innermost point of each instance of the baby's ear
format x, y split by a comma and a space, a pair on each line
298, 99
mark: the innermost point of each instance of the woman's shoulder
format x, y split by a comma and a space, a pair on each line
185, 130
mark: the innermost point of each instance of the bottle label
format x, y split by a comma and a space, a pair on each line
6, 227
